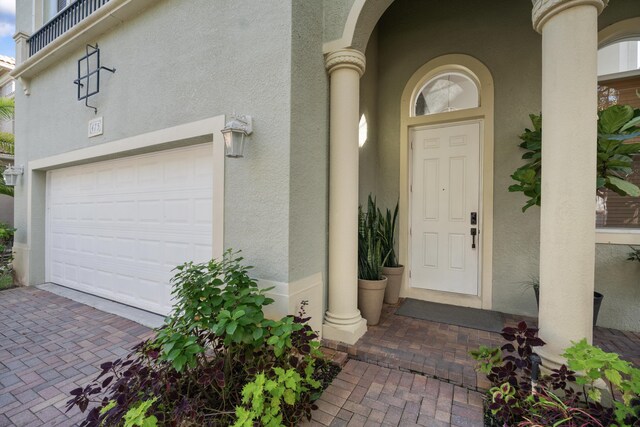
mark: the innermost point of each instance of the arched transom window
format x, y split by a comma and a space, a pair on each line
449, 91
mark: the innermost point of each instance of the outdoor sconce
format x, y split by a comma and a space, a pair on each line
11, 174
234, 133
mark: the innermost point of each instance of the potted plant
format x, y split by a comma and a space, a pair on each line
534, 282
391, 269
371, 282
617, 126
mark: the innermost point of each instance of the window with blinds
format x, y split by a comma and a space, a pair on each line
612, 210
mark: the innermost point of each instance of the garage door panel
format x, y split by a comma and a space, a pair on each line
122, 239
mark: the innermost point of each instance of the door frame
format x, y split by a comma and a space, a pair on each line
484, 113
480, 225
29, 261
216, 247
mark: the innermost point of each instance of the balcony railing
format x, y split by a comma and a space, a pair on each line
63, 22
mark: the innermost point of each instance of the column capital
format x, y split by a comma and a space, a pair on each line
543, 10
22, 47
345, 58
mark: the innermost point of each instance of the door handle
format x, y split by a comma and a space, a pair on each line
474, 232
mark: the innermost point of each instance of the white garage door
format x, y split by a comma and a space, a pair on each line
117, 228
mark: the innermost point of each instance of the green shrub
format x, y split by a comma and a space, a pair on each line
616, 125
520, 398
214, 361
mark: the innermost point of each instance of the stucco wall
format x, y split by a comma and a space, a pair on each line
6, 209
499, 34
368, 159
308, 210
231, 56
335, 17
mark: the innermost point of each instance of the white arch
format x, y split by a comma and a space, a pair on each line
362, 19
618, 31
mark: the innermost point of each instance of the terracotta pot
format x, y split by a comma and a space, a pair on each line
370, 298
394, 283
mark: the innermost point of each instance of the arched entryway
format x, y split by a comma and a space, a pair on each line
568, 84
453, 178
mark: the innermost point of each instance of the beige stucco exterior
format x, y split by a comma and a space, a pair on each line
297, 68
512, 52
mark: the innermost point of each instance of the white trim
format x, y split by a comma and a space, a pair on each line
207, 130
618, 236
376, 8
619, 31
288, 296
616, 76
485, 113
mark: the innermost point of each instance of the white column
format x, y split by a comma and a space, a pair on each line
343, 321
567, 219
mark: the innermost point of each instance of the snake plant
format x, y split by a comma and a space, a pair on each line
370, 246
387, 234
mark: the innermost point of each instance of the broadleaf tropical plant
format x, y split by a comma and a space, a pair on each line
616, 126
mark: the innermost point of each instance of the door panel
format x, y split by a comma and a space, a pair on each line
117, 228
445, 190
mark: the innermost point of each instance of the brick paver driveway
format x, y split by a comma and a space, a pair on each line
50, 345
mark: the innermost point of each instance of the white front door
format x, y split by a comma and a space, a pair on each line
444, 206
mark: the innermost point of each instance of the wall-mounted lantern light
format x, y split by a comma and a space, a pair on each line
234, 133
11, 174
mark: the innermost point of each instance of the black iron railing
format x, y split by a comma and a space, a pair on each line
63, 22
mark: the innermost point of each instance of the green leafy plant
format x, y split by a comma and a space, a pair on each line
634, 255
547, 409
370, 253
388, 225
487, 358
6, 255
215, 342
616, 125
264, 397
623, 379
519, 396
7, 108
137, 415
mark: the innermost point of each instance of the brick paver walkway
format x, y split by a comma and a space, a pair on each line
50, 345
364, 394
411, 372
441, 351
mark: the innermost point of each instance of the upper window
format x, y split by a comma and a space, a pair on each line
619, 83
446, 92
619, 57
52, 7
59, 16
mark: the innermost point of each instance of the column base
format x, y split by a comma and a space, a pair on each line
550, 360
348, 334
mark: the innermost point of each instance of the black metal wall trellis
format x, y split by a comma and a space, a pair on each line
85, 91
